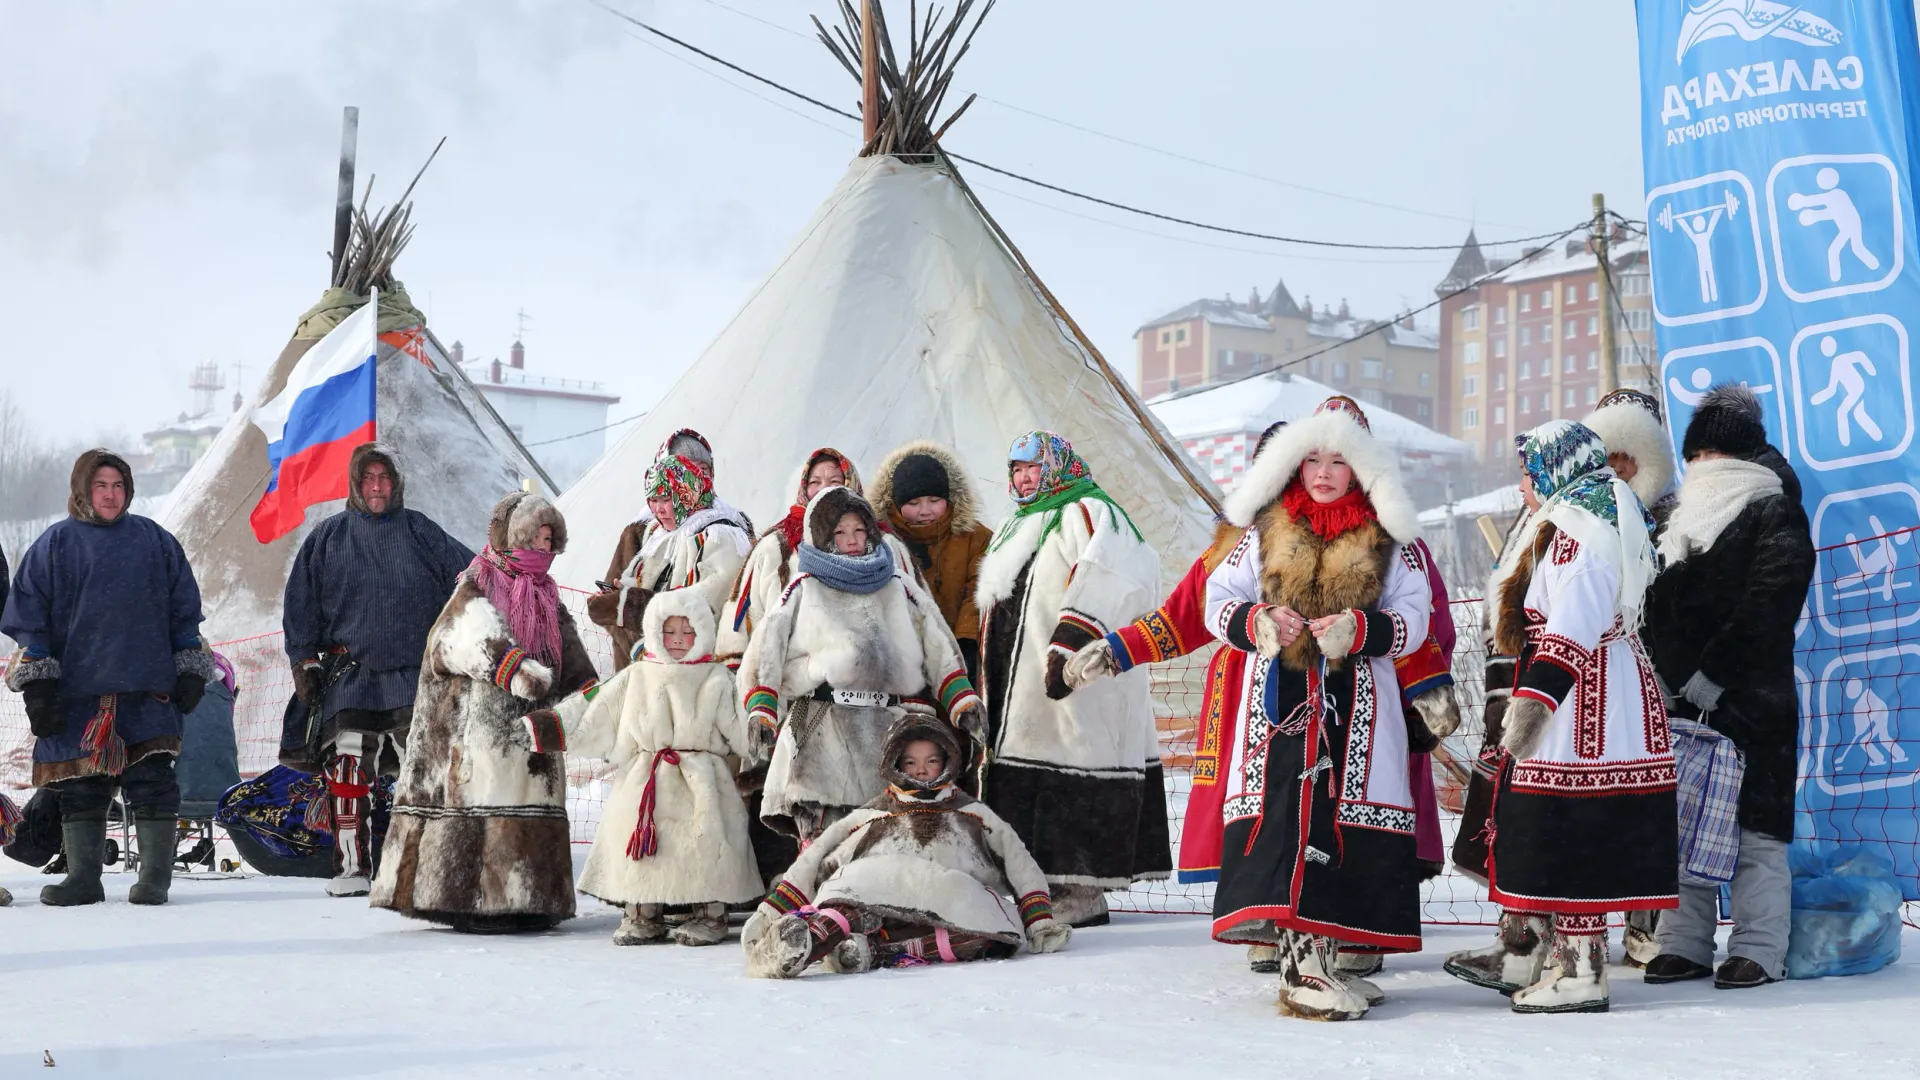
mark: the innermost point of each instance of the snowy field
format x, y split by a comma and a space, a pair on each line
240, 977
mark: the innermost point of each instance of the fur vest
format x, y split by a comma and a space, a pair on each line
1318, 577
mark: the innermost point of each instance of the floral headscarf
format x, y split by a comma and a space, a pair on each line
1064, 479
682, 480
1567, 463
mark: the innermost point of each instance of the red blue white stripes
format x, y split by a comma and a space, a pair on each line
313, 424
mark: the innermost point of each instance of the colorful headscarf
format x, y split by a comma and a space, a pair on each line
794, 526
1340, 403
682, 480
1627, 396
1567, 463
1064, 479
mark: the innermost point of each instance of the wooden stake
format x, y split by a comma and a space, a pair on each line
1609, 355
343, 195
869, 73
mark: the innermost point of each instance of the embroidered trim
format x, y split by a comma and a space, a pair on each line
446, 813
1163, 638
1206, 756
786, 899
1602, 778
763, 704
509, 666
1359, 631
1590, 712
1653, 705
1410, 555
1537, 695
1239, 551
792, 585
955, 691
1563, 652
1367, 815
591, 690
1565, 548
1353, 785
1034, 907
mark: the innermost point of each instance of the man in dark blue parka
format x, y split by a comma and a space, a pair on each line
106, 612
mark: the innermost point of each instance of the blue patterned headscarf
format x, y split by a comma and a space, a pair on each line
1567, 463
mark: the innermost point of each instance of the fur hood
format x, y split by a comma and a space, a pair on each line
1374, 467
1630, 429
826, 510
366, 454
689, 605
517, 519
963, 505
911, 728
79, 495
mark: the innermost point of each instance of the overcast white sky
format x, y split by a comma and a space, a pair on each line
166, 169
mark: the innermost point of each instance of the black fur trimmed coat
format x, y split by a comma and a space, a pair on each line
1729, 613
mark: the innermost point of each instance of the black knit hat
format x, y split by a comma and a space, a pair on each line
919, 475
1727, 421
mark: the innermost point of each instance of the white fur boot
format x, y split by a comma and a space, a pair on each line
1353, 969
1080, 906
641, 924
1309, 987
1642, 938
1512, 962
706, 926
1264, 959
1574, 979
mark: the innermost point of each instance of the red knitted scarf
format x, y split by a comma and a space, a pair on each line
1328, 520
794, 526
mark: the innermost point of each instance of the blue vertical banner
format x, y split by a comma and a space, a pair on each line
1779, 144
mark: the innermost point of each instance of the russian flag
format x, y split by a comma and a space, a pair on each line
312, 426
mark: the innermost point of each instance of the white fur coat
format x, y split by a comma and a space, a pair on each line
700, 821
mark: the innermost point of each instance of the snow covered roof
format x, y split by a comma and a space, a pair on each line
1217, 312
1568, 257
1502, 500
1335, 328
1251, 404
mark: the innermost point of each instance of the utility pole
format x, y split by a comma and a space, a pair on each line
1609, 358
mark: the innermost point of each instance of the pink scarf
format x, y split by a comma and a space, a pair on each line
517, 584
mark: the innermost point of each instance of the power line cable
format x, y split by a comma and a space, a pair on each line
1149, 148
589, 431
1025, 179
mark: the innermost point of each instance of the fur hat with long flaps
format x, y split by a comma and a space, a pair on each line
911, 728
963, 508
516, 522
1628, 421
1337, 426
826, 510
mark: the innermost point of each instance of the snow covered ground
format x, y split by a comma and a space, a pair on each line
239, 976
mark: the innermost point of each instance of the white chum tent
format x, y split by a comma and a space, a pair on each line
897, 315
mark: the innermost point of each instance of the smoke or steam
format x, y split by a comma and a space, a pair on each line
225, 112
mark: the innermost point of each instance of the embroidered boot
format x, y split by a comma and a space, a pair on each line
1353, 968
706, 926
347, 790
1512, 963
641, 924
159, 841
1309, 989
852, 956
797, 940
84, 841
1574, 979
1642, 940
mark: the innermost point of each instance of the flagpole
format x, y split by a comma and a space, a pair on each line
374, 302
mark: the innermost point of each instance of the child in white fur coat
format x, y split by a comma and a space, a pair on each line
923, 874
674, 829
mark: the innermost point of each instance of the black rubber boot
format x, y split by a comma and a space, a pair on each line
159, 840
84, 841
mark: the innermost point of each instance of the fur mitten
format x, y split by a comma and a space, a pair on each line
1525, 725
1048, 935
44, 716
1093, 661
307, 680
1338, 638
1440, 711
1057, 686
603, 608
972, 719
1266, 633
531, 680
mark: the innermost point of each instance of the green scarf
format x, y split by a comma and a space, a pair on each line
1052, 503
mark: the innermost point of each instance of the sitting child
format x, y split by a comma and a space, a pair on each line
922, 874
674, 828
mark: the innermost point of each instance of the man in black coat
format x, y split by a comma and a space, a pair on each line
1720, 625
364, 591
